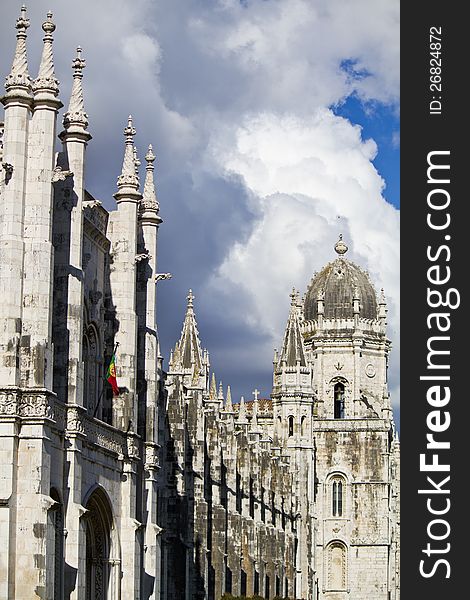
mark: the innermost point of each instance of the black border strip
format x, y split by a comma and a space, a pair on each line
424, 131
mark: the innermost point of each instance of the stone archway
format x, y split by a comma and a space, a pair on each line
99, 524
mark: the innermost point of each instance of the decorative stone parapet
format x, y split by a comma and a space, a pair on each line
29, 403
71, 419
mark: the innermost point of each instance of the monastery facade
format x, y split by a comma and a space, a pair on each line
170, 490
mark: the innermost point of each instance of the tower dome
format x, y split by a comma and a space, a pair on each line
337, 284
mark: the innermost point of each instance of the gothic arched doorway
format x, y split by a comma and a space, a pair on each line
99, 524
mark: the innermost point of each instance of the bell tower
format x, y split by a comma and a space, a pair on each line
344, 334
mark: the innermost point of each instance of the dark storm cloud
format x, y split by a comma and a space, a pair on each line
196, 75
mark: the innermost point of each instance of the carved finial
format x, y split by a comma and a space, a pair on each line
150, 157
190, 299
46, 81
19, 76
76, 114
293, 297
228, 400
129, 131
149, 200
128, 182
340, 246
221, 392
213, 388
78, 62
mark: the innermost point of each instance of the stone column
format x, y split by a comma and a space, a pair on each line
75, 524
149, 221
36, 345
18, 102
123, 234
75, 138
129, 530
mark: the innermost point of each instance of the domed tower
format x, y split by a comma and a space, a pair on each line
331, 402
344, 329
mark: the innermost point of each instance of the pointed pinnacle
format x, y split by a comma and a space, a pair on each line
228, 400
242, 411
149, 199
128, 182
213, 388
76, 114
19, 76
46, 81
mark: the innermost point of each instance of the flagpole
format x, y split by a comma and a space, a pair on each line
99, 399
102, 389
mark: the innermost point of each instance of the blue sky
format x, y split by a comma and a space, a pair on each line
270, 119
380, 122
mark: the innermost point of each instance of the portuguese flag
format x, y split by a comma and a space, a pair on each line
111, 376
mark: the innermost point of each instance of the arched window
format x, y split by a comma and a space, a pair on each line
337, 496
92, 367
339, 401
291, 426
336, 567
102, 568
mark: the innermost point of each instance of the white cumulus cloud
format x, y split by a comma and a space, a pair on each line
311, 178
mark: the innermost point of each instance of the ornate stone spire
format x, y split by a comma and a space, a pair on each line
242, 417
19, 81
46, 82
221, 393
228, 400
213, 389
188, 351
149, 200
128, 182
76, 115
292, 352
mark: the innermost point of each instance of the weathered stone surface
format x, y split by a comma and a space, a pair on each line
170, 490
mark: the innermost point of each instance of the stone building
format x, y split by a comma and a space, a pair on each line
170, 490
78, 492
